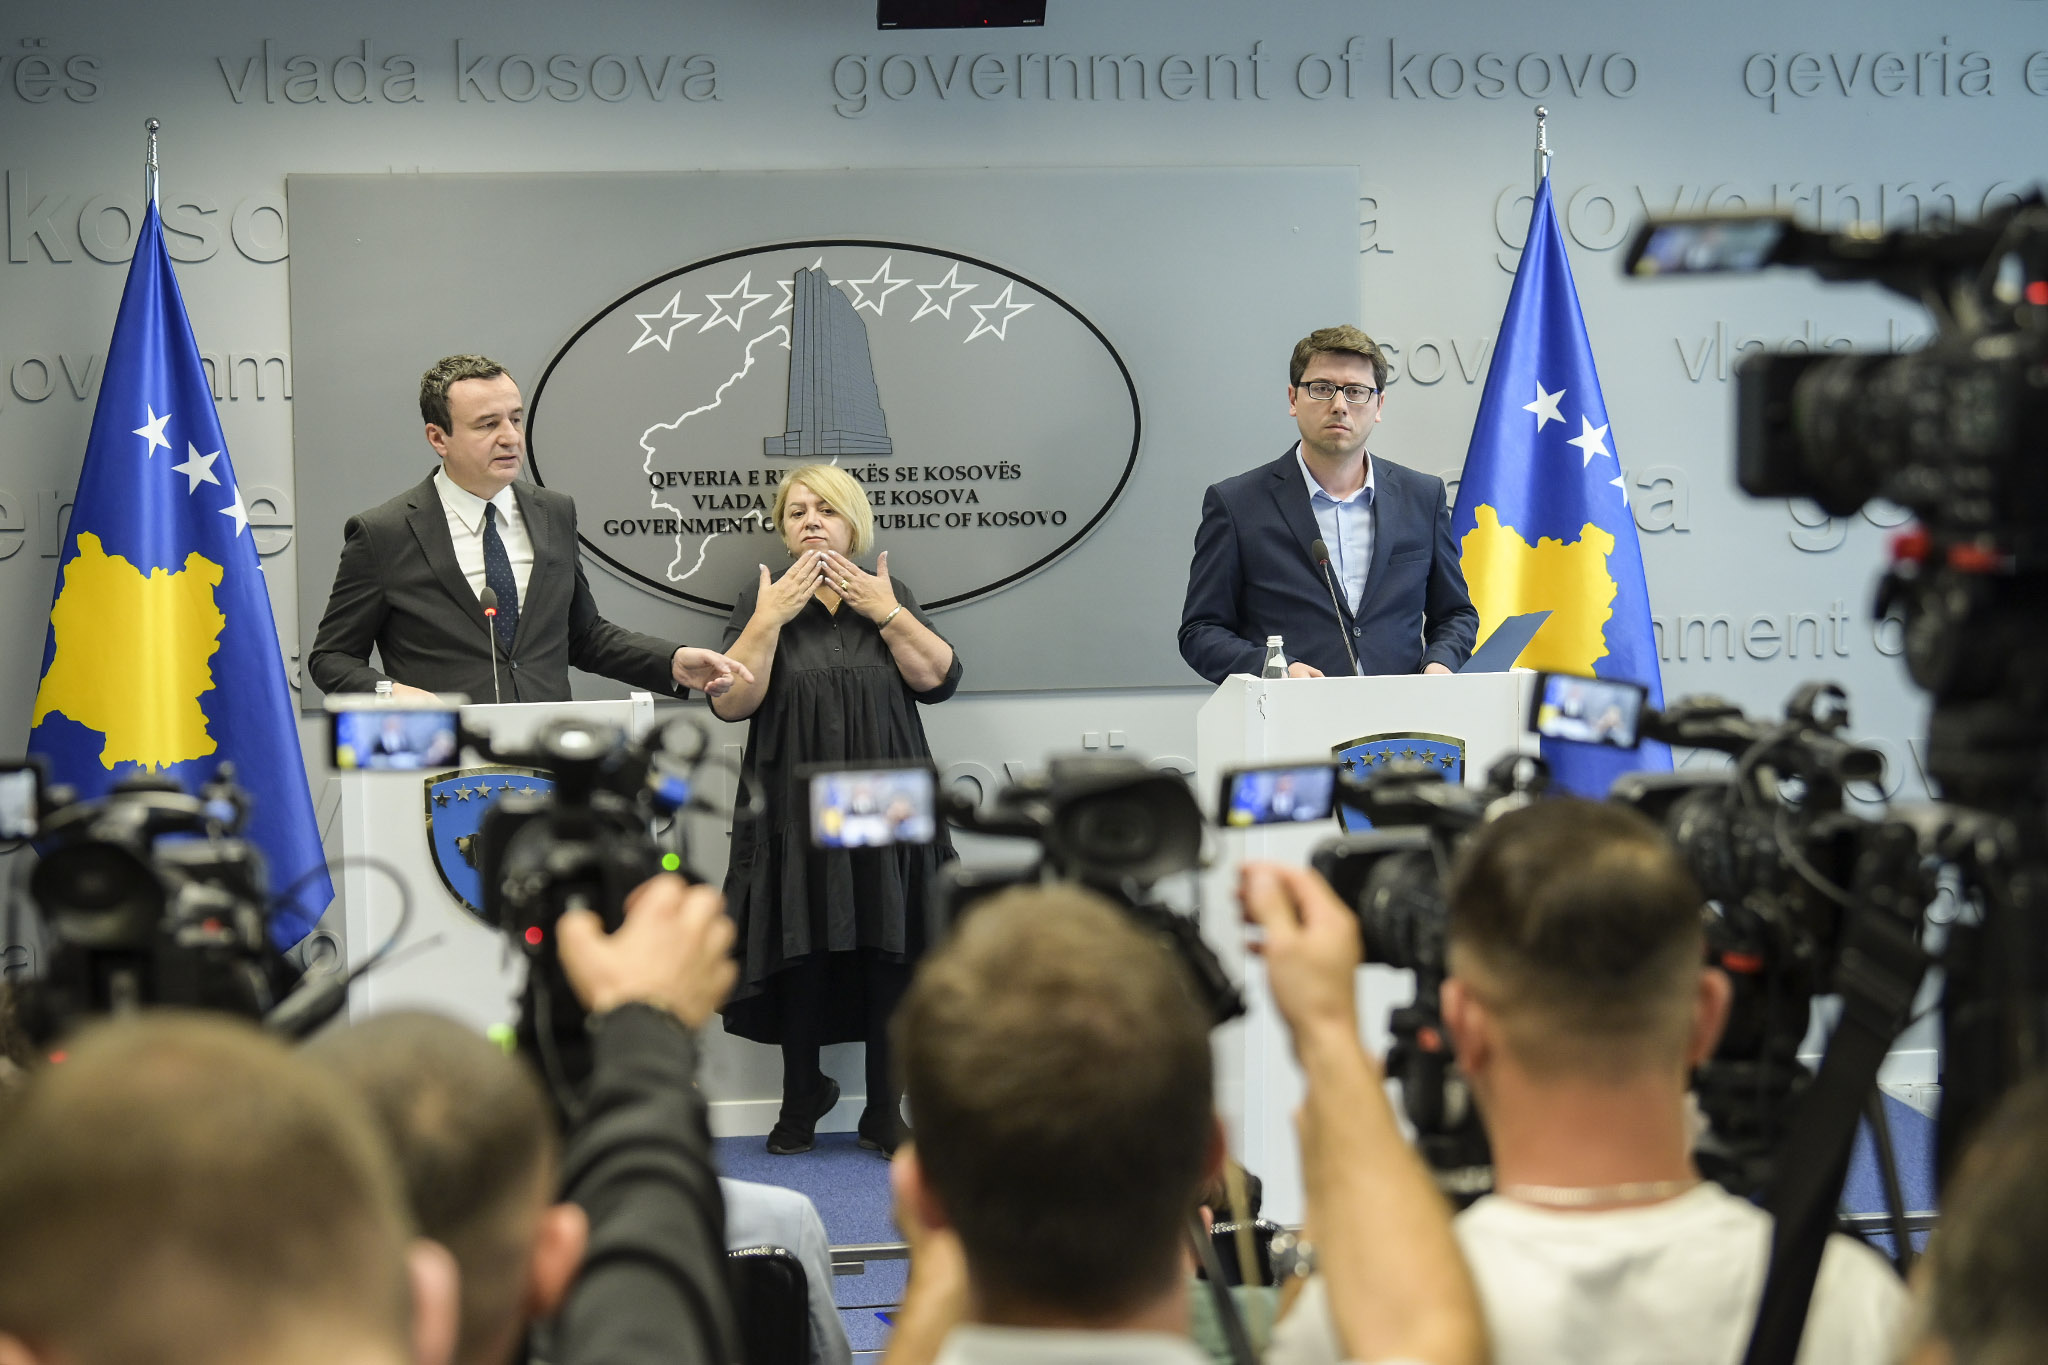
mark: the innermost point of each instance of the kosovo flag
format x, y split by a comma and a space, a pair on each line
162, 656
1543, 519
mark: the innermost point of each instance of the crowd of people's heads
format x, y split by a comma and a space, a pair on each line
179, 1187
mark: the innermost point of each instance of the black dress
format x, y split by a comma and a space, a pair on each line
834, 696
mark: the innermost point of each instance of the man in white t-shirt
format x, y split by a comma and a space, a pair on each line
1578, 1007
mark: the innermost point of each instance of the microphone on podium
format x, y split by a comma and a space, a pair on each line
489, 601
1321, 551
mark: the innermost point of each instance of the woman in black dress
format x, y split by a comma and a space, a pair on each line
827, 937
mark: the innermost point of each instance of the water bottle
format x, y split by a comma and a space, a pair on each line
1276, 659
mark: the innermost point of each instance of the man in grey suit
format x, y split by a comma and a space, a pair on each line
413, 571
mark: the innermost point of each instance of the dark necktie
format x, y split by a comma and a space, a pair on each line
498, 578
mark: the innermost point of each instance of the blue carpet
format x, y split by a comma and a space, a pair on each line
1912, 1144
849, 1185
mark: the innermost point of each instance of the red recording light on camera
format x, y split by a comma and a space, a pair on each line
534, 936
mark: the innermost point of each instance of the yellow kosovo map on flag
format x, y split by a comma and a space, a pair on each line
111, 623
1508, 576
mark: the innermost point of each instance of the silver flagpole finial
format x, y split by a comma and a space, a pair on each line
1542, 145
149, 164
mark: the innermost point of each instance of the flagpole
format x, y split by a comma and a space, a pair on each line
149, 163
1542, 146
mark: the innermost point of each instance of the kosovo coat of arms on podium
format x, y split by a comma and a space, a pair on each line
1368, 754
456, 804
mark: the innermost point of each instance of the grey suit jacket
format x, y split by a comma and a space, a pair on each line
399, 589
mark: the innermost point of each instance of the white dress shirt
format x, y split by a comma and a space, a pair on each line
466, 528
1348, 528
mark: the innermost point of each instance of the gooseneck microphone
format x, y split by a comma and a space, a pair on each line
489, 601
1321, 552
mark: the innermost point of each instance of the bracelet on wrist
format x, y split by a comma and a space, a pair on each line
883, 624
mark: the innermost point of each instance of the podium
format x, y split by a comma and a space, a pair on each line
446, 959
1253, 721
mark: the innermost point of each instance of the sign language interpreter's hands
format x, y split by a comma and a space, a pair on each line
870, 594
782, 598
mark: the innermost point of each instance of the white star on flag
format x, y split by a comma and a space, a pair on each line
931, 305
1545, 406
1000, 326
882, 277
726, 314
197, 468
650, 332
1616, 482
1591, 441
238, 512
154, 430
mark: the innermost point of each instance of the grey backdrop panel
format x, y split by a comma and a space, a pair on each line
1200, 279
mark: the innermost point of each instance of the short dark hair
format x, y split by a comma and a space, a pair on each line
475, 1145
1346, 340
1989, 1259
1058, 1072
183, 1188
443, 374
1579, 924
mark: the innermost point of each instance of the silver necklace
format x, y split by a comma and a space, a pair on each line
1584, 1196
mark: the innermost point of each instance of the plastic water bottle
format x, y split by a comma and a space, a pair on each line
1276, 659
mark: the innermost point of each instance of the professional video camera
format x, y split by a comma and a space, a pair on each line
1799, 885
1957, 433
149, 896
584, 845
1393, 876
1110, 824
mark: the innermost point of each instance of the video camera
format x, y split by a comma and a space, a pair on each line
1958, 434
1110, 824
150, 896
583, 845
1393, 877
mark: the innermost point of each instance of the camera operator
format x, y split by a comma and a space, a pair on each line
183, 1189
638, 1160
1578, 1005
1059, 1069
1981, 1281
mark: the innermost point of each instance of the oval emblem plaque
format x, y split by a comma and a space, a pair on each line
991, 424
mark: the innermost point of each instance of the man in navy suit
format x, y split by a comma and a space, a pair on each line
1386, 527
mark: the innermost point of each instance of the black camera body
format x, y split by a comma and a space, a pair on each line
1393, 878
150, 897
585, 845
1113, 825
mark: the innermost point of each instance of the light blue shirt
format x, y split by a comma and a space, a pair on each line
1347, 527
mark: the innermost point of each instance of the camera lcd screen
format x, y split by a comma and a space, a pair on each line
1277, 795
1588, 710
873, 807
18, 783
392, 739
1706, 246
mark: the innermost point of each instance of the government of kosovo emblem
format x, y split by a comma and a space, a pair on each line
1368, 754
456, 803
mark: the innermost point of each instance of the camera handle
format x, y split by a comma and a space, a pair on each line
1879, 973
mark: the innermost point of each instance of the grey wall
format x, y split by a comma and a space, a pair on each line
1879, 109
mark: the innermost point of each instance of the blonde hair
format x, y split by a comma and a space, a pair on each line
841, 492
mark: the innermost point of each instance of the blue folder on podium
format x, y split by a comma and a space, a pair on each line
1506, 644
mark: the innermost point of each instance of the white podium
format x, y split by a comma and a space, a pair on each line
447, 960
1252, 721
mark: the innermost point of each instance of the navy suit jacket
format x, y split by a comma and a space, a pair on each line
1253, 576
